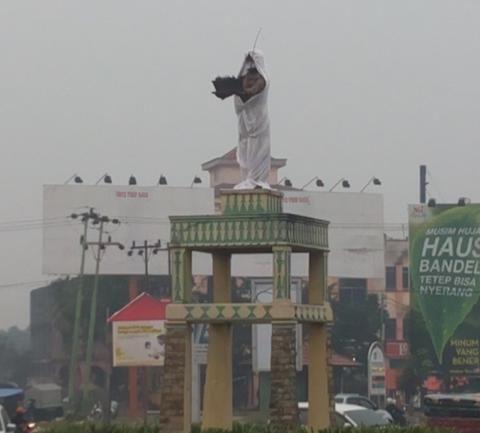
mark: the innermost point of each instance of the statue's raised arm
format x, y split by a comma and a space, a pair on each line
250, 91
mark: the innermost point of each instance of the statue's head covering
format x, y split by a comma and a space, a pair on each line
254, 59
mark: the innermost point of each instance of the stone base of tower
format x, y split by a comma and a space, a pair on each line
283, 400
172, 414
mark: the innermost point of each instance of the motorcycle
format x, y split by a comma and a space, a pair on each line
30, 427
23, 421
398, 414
96, 413
26, 427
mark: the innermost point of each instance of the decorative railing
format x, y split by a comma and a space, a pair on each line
235, 231
251, 313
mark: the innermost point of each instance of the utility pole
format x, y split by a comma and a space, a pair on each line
144, 251
423, 184
101, 246
382, 318
85, 218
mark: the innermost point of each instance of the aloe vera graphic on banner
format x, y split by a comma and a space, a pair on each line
444, 267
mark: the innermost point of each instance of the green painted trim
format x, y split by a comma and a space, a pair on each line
248, 313
281, 271
250, 202
244, 231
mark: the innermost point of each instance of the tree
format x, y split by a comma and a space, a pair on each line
356, 326
16, 359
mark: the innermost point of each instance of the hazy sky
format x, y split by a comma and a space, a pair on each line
359, 88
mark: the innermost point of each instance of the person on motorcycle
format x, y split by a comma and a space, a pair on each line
19, 419
397, 413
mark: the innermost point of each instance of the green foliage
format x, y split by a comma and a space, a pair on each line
348, 338
237, 428
422, 360
112, 295
15, 359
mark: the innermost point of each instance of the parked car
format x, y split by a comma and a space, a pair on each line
6, 425
356, 399
348, 415
356, 416
459, 412
360, 400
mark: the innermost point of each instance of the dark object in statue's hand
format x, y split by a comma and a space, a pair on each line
227, 86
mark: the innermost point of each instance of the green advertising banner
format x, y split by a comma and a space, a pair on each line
445, 280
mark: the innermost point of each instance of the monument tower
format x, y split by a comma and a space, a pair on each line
251, 222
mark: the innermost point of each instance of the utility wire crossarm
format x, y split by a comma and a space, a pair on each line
146, 250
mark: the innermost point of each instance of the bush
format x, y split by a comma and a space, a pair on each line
237, 428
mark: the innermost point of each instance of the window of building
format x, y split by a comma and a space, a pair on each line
391, 329
405, 278
390, 278
353, 290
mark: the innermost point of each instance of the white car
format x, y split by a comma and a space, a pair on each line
360, 400
354, 415
6, 426
349, 415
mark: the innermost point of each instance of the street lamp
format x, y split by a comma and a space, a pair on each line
318, 182
196, 180
462, 201
106, 179
345, 184
375, 180
286, 182
76, 178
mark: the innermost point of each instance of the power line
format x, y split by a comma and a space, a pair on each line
39, 226
25, 283
31, 220
165, 220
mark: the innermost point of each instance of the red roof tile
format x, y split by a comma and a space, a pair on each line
143, 307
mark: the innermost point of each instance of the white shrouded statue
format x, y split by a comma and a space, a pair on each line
250, 90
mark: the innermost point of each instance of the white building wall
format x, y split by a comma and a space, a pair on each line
355, 234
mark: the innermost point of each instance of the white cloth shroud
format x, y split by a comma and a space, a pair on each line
253, 152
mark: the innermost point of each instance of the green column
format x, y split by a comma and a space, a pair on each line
181, 274
281, 272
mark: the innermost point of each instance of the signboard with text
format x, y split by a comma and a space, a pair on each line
138, 343
376, 371
445, 281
